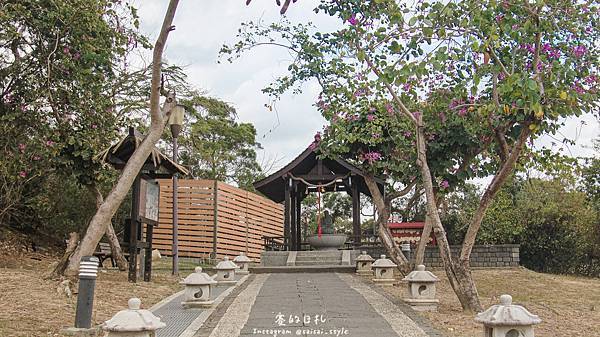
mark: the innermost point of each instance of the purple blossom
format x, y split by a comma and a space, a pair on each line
454, 103
66, 50
50, 143
528, 46
501, 76
94, 126
352, 20
371, 117
406, 86
417, 114
407, 134
376, 135
554, 53
578, 88
36, 158
462, 112
22, 147
316, 142
515, 27
22, 174
389, 108
442, 116
499, 17
444, 184
579, 51
76, 56
372, 156
590, 80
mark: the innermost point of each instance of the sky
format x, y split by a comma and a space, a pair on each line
203, 26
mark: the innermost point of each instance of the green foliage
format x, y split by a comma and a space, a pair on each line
559, 229
556, 225
480, 75
217, 145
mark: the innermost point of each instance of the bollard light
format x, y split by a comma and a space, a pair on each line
88, 272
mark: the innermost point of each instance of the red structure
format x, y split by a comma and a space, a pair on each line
409, 232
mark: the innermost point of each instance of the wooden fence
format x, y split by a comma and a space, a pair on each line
235, 223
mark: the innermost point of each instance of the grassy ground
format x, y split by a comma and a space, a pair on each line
32, 306
569, 306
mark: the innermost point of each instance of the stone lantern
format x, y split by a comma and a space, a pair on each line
225, 271
363, 264
197, 289
133, 322
242, 261
507, 320
384, 271
421, 290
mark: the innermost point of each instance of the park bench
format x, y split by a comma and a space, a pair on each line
104, 252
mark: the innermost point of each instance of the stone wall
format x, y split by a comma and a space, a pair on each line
489, 256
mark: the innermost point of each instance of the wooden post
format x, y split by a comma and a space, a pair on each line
293, 229
287, 213
355, 211
298, 221
134, 229
148, 257
215, 218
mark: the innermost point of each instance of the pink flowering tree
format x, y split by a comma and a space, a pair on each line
445, 91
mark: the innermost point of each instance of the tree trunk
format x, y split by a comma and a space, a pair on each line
487, 197
420, 253
394, 252
64, 260
105, 212
460, 279
113, 240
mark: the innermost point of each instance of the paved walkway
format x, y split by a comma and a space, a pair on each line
325, 304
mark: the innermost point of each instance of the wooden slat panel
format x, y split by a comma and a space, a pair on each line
243, 218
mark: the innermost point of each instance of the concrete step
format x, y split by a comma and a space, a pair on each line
303, 269
318, 263
306, 258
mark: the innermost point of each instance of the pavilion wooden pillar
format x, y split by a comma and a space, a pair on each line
298, 222
287, 213
356, 233
293, 228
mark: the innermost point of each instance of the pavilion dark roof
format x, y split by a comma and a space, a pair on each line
273, 186
157, 163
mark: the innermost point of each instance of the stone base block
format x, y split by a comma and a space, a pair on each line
81, 332
242, 272
197, 304
364, 272
422, 305
384, 281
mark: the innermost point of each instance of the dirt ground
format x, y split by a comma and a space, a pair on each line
32, 306
569, 306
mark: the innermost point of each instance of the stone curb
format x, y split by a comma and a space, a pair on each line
210, 323
421, 321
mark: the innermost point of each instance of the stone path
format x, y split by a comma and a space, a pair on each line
324, 304
295, 304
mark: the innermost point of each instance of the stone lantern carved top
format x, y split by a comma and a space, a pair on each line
384, 262
421, 275
364, 257
226, 264
133, 319
242, 258
507, 314
198, 278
